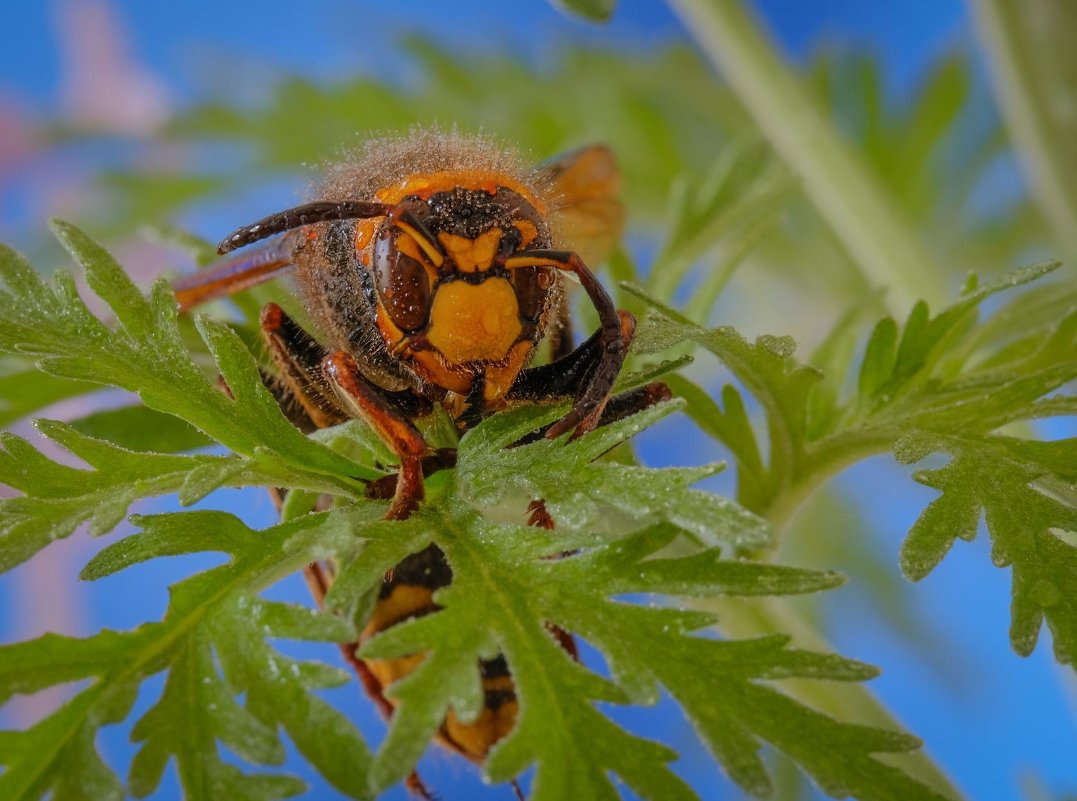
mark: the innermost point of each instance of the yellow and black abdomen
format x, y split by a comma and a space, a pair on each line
408, 593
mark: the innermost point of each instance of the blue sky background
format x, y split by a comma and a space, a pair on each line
990, 717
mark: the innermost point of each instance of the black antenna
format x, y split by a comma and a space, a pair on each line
321, 211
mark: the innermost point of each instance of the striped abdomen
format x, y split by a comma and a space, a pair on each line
408, 593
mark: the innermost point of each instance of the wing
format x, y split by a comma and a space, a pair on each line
585, 214
235, 273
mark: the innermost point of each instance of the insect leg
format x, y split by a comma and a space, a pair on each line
613, 337
562, 378
561, 332
298, 358
368, 402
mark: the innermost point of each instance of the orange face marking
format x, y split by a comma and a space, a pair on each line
425, 184
474, 322
528, 232
432, 368
472, 255
409, 247
364, 230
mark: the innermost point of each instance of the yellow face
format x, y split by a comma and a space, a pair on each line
447, 304
474, 322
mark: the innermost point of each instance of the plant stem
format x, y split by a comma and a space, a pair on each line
841, 187
1027, 45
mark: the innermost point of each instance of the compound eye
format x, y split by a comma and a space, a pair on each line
402, 283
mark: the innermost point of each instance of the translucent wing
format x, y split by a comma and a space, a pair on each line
585, 214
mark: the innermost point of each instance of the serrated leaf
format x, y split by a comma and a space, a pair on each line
620, 530
208, 614
996, 478
924, 387
146, 354
496, 563
582, 494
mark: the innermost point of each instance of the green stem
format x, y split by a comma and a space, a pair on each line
840, 186
826, 459
1035, 92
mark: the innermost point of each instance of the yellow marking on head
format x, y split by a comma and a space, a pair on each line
474, 322
472, 255
425, 184
427, 246
528, 232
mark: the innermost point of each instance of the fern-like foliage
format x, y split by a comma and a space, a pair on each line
629, 532
938, 384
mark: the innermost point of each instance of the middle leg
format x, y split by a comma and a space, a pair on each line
368, 402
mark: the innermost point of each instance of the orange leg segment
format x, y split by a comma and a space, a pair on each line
366, 401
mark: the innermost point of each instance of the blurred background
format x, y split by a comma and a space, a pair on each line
130, 119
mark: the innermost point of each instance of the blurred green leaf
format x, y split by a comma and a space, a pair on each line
600, 10
139, 428
24, 389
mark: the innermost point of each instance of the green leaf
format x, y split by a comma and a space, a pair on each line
195, 712
599, 10
57, 499
582, 493
57, 755
767, 370
24, 390
999, 477
146, 354
559, 730
621, 531
139, 428
938, 383
208, 614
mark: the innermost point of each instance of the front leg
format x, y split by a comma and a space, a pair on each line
613, 337
574, 374
364, 400
566, 376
